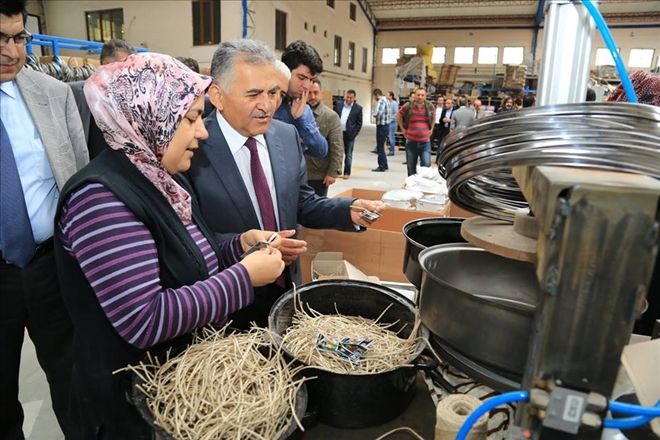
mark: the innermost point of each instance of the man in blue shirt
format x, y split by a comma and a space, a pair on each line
305, 65
42, 144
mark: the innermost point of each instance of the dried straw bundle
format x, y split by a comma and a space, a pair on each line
222, 388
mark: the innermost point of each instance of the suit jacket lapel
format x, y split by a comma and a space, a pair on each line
38, 104
280, 174
225, 168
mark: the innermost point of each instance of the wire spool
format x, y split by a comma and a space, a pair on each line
452, 411
608, 136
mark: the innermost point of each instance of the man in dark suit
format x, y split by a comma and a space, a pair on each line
350, 113
251, 171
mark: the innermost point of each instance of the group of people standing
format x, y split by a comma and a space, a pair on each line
104, 260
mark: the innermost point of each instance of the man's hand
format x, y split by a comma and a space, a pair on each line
405, 134
329, 180
290, 247
253, 236
298, 105
371, 205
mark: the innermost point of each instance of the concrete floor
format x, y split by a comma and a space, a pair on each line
40, 422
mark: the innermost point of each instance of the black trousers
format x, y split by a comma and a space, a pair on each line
31, 300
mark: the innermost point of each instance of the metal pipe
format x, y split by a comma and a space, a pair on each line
567, 46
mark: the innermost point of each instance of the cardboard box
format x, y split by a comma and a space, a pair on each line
331, 266
377, 251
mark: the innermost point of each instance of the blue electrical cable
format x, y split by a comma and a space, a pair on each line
627, 423
609, 42
486, 406
635, 410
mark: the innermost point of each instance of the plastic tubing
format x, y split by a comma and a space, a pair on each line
609, 42
627, 423
486, 406
635, 410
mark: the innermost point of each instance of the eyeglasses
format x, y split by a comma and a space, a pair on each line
20, 39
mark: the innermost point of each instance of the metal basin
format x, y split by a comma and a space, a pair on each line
480, 304
423, 233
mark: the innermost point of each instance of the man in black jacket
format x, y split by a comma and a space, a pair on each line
350, 113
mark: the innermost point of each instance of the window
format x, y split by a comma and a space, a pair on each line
410, 51
640, 58
314, 28
604, 57
206, 22
330, 3
325, 34
352, 12
390, 55
337, 52
513, 55
487, 55
280, 30
351, 55
438, 55
305, 26
105, 25
365, 55
463, 55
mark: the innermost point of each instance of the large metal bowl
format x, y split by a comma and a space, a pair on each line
420, 234
480, 304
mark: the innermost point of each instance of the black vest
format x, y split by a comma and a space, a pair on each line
100, 402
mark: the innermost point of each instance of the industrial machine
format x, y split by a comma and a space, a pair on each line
573, 189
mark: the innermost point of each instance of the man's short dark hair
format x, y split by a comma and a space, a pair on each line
190, 62
111, 47
378, 92
317, 81
298, 53
391, 94
13, 7
351, 91
529, 101
591, 94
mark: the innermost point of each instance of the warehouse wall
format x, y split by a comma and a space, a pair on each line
384, 75
166, 27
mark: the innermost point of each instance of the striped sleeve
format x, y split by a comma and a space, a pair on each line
118, 256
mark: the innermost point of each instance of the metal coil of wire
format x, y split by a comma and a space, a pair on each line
477, 161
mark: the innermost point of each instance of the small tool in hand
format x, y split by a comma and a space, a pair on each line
260, 245
368, 216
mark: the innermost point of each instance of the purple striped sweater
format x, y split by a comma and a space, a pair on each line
118, 256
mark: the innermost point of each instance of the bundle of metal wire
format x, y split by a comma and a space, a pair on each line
477, 161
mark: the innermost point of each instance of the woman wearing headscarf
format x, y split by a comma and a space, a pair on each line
139, 268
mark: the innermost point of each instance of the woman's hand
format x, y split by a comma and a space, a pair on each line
264, 266
254, 236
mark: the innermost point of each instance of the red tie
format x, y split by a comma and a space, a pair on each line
262, 191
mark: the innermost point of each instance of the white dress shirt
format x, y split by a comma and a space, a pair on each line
236, 142
39, 186
345, 111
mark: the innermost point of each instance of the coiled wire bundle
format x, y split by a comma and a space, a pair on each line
609, 136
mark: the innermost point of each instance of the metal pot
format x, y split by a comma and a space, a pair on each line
482, 305
423, 233
355, 401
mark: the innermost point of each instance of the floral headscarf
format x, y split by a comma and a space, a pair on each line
138, 104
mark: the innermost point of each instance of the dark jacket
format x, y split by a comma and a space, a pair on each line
99, 404
96, 143
354, 121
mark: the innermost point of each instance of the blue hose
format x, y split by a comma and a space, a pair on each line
635, 410
609, 42
627, 423
486, 406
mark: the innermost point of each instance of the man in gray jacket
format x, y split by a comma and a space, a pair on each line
461, 117
42, 144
